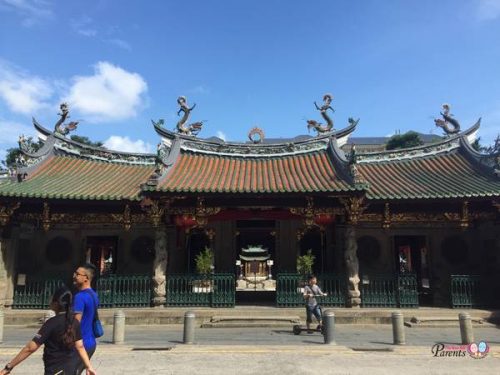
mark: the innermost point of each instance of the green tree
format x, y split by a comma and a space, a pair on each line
406, 140
86, 141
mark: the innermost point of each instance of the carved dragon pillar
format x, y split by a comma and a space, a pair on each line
156, 209
354, 208
160, 268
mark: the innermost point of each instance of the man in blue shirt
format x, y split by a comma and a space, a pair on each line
85, 304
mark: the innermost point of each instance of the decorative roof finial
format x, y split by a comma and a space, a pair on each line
256, 135
447, 120
60, 127
191, 129
320, 128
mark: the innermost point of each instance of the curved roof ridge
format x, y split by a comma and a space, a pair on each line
446, 145
74, 148
487, 162
220, 147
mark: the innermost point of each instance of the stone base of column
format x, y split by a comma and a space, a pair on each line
159, 301
353, 302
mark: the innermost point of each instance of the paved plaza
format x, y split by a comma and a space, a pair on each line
360, 349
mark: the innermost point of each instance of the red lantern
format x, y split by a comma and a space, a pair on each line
185, 221
323, 220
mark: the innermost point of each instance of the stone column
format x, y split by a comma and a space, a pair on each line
160, 268
3, 272
352, 267
7, 272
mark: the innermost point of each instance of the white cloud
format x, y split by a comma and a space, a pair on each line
84, 26
10, 132
221, 135
32, 11
488, 9
118, 143
22, 92
200, 89
120, 44
112, 93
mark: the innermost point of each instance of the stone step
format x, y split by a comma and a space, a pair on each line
444, 322
250, 321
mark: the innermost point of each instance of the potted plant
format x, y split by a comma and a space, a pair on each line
204, 267
305, 265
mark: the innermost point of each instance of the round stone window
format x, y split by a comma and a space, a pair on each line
368, 250
143, 249
454, 250
59, 250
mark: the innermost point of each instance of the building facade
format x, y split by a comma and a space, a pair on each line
430, 212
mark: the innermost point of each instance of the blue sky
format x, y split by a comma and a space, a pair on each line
120, 64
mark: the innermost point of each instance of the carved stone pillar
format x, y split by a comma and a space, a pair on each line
354, 207
160, 268
352, 267
3, 272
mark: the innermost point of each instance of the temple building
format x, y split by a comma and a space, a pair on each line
407, 227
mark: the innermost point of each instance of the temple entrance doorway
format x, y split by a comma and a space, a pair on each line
102, 252
255, 261
412, 256
313, 240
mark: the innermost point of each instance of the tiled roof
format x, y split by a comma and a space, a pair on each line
445, 175
63, 177
307, 172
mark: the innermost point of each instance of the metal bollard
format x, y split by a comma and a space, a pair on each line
1, 325
189, 322
48, 314
329, 327
398, 328
118, 327
466, 328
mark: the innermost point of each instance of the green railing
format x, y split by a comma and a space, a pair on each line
124, 291
465, 291
217, 290
389, 291
378, 291
289, 289
407, 290
113, 291
35, 294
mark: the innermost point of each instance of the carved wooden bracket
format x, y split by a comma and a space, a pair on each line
125, 219
155, 209
354, 207
46, 219
310, 213
306, 212
387, 216
210, 232
464, 219
202, 212
6, 212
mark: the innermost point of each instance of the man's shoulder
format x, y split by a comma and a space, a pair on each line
85, 296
